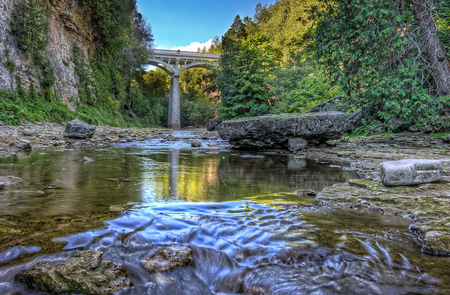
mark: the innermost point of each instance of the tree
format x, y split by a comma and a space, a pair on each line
373, 52
245, 65
437, 58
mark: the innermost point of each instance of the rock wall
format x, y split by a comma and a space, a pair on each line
69, 26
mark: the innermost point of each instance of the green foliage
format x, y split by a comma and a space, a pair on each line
245, 66
30, 26
197, 111
11, 65
442, 18
299, 87
289, 25
149, 107
86, 81
365, 48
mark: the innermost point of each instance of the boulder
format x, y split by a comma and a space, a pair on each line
354, 120
329, 105
212, 126
410, 172
446, 138
296, 144
396, 124
196, 143
274, 131
86, 273
378, 127
168, 259
79, 129
23, 144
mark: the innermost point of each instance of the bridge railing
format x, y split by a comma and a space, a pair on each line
184, 53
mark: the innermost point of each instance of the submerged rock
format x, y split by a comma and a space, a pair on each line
168, 259
427, 205
86, 273
410, 172
196, 143
272, 131
79, 129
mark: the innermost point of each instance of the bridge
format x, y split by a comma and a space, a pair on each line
173, 62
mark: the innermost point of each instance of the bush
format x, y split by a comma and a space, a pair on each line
301, 87
197, 111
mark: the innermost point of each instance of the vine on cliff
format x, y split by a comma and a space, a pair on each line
30, 26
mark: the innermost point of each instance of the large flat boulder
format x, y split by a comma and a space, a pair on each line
274, 131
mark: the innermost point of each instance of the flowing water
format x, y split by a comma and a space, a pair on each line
249, 231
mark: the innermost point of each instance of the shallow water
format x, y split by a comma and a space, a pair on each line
249, 231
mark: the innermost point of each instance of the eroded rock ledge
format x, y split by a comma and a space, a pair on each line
426, 205
275, 131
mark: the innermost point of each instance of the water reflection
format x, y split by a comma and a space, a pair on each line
238, 211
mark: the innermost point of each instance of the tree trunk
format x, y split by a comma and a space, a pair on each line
439, 63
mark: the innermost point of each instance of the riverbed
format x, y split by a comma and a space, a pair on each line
249, 230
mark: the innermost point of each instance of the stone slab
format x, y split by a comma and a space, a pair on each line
274, 131
410, 172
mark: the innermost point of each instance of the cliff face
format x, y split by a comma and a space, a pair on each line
69, 27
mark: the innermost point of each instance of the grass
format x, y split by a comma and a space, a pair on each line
22, 106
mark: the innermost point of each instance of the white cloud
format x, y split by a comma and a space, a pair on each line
194, 46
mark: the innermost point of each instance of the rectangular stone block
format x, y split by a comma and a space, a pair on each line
410, 172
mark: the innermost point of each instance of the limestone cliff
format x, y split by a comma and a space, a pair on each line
69, 26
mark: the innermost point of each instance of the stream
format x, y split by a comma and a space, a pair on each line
239, 212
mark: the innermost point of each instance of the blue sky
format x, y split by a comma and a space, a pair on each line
178, 23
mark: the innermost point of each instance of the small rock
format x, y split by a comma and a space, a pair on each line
53, 137
168, 258
23, 144
2, 185
196, 143
331, 143
30, 133
87, 159
365, 202
2, 123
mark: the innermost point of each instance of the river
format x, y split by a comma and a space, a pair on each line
249, 231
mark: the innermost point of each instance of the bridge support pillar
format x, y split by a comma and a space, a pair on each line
174, 103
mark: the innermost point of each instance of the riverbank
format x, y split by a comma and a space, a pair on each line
43, 135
